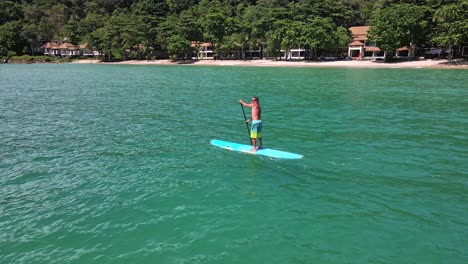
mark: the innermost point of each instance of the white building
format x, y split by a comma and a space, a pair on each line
202, 51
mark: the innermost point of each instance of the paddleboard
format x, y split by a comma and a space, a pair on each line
272, 153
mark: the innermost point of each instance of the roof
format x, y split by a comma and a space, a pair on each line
356, 43
360, 38
371, 48
200, 44
67, 45
359, 30
84, 46
49, 45
358, 34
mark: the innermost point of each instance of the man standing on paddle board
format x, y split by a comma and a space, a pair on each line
256, 130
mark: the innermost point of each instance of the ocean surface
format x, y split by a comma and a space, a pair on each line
112, 164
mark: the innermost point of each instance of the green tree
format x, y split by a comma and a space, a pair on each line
276, 37
151, 14
11, 39
188, 26
10, 11
178, 47
33, 15
55, 20
256, 22
177, 6
339, 11
89, 25
120, 34
341, 38
319, 33
215, 27
127, 32
451, 24
166, 29
72, 31
398, 26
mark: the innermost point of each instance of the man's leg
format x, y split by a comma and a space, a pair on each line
259, 135
254, 144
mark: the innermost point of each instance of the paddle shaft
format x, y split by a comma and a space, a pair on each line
246, 124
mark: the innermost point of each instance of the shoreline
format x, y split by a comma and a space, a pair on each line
435, 64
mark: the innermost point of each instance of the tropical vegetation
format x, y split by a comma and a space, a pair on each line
145, 29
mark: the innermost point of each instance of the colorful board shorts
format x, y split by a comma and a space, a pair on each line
256, 130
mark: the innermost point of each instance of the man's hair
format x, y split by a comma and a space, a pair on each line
256, 98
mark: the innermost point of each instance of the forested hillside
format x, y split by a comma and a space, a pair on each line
146, 28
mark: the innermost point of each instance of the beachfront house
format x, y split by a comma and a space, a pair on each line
202, 50
51, 49
60, 49
86, 51
55, 48
406, 52
293, 54
68, 50
361, 49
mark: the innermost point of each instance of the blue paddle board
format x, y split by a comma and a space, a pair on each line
262, 152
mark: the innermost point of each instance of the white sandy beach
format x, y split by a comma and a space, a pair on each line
454, 64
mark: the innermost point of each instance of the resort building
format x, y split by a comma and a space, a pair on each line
51, 49
68, 50
55, 48
405, 52
293, 54
86, 51
361, 49
202, 50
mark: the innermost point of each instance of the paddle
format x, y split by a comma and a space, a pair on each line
246, 124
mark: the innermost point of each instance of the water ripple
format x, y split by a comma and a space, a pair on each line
117, 167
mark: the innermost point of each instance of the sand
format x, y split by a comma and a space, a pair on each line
454, 64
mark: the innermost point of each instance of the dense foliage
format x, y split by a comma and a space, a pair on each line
158, 28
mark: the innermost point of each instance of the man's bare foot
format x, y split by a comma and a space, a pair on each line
254, 149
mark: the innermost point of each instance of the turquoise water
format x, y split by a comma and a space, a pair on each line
112, 164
